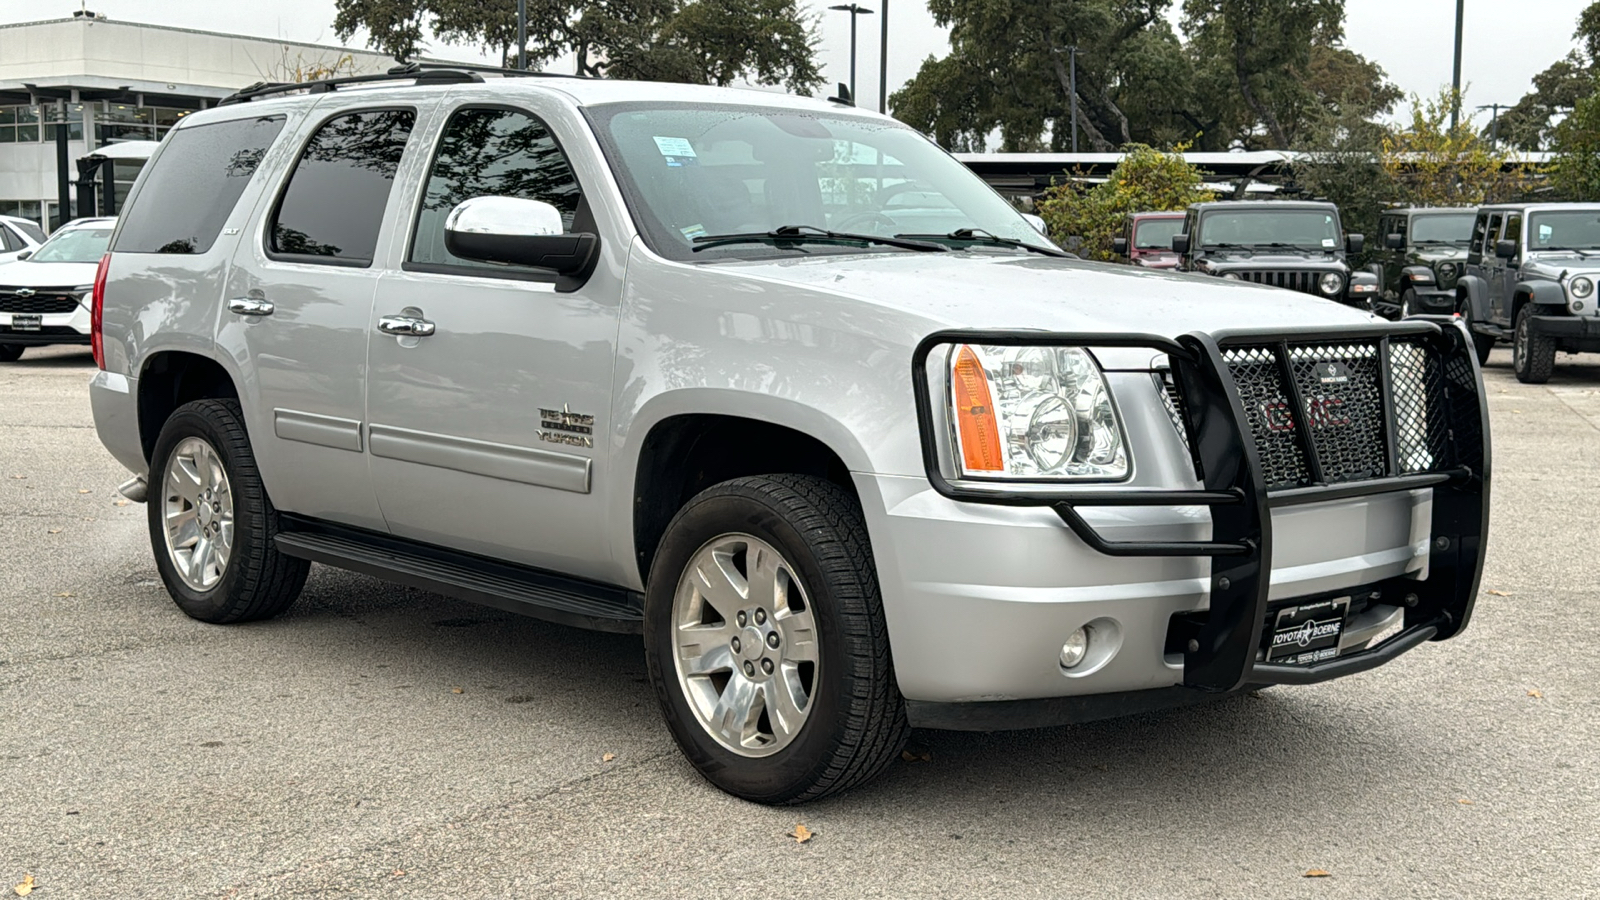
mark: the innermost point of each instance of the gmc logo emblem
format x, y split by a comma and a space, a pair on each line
1325, 412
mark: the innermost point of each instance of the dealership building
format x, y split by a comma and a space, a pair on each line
80, 99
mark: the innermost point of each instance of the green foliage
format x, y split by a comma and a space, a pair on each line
1530, 124
1341, 160
694, 41
1146, 180
1575, 170
1432, 164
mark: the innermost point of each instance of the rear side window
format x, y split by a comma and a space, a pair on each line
333, 205
31, 230
194, 184
9, 241
491, 153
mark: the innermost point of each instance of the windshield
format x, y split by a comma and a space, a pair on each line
693, 171
1312, 228
1156, 234
74, 245
1565, 230
1452, 229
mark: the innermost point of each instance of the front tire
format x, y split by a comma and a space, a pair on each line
766, 642
1482, 344
1533, 355
211, 523
1408, 304
10, 352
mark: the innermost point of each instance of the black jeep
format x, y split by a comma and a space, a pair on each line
1298, 245
1424, 252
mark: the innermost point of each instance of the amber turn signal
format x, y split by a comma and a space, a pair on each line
976, 426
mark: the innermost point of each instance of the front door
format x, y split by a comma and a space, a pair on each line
1504, 279
300, 296
487, 433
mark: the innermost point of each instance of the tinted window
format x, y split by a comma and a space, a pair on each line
9, 241
1453, 229
1308, 228
1489, 237
335, 199
491, 153
31, 230
194, 185
1156, 234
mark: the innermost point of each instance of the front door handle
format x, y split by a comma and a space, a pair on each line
250, 306
413, 326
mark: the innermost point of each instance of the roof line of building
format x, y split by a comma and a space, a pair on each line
221, 34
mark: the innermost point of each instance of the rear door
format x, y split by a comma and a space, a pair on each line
299, 298
487, 435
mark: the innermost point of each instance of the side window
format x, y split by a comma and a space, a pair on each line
1513, 230
1490, 236
334, 202
1480, 228
193, 185
9, 241
490, 153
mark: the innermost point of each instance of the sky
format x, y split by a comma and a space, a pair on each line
1411, 39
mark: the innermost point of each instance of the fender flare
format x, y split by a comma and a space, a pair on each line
1476, 293
1542, 293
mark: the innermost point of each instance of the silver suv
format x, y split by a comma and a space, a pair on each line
778, 384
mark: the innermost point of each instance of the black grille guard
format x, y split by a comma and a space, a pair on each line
1222, 656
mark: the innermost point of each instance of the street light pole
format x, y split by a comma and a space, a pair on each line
1494, 123
1455, 79
854, 10
883, 57
522, 34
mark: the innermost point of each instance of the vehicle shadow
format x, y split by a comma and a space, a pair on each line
67, 357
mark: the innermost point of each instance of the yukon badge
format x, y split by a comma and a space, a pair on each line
562, 426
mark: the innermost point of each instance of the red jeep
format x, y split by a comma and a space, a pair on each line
1148, 239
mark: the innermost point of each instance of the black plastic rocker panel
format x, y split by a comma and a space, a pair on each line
1222, 656
519, 589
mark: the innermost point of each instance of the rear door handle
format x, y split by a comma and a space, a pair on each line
250, 306
405, 325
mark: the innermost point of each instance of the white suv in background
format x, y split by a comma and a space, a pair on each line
18, 236
44, 297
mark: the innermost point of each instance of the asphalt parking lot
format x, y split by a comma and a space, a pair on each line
379, 741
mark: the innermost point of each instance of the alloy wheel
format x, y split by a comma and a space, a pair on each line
197, 509
745, 645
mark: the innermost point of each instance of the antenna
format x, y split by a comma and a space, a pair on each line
844, 97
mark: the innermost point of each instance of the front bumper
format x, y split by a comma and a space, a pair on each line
981, 586
1572, 327
54, 328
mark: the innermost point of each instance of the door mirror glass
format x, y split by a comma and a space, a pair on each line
1395, 241
518, 232
1180, 243
1505, 249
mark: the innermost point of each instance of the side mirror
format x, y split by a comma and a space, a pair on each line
1505, 249
518, 232
1038, 223
1180, 243
24, 254
1354, 242
1119, 246
1395, 241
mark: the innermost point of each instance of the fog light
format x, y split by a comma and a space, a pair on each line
1577, 306
1076, 647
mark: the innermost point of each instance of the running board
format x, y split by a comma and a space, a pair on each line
519, 589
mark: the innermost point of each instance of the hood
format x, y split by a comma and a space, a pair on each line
1547, 265
27, 273
985, 290
1434, 255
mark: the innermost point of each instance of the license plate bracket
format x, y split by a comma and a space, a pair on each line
1308, 632
26, 321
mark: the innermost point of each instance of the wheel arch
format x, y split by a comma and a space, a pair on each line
168, 380
1473, 292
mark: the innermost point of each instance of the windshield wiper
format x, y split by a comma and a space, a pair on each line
1224, 245
979, 236
1440, 241
1582, 251
1306, 247
808, 234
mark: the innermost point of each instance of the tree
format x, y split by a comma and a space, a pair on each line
694, 41
1530, 124
1341, 161
1146, 180
1432, 164
1009, 69
1575, 170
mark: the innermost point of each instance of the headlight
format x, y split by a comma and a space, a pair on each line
1447, 271
1331, 283
1034, 413
1581, 287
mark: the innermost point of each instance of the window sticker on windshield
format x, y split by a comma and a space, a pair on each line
676, 151
1544, 234
1328, 243
693, 231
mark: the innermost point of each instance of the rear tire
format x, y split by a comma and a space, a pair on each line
726, 701
10, 352
1533, 355
210, 517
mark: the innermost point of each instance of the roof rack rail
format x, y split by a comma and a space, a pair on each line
418, 73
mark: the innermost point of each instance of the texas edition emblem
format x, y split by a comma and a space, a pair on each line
563, 426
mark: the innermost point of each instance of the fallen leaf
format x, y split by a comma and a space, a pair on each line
123, 502
1317, 873
801, 834
914, 756
1465, 802
399, 872
26, 887
83, 490
64, 594
457, 691
1498, 593
608, 757
55, 531
1536, 694
19, 477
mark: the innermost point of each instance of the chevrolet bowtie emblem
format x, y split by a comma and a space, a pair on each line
25, 293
